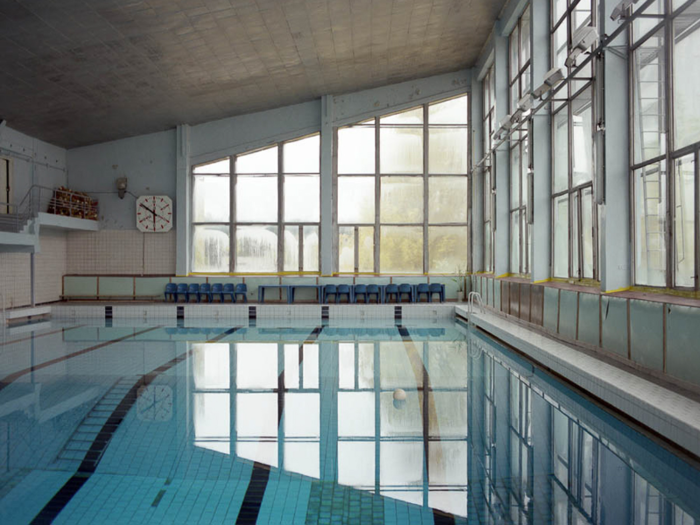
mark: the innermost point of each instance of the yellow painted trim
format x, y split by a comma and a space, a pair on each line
547, 280
504, 275
249, 274
619, 290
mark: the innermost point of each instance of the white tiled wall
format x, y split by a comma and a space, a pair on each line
50, 267
121, 252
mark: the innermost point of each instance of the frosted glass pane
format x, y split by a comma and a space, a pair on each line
448, 199
401, 249
525, 37
450, 419
449, 112
302, 415
256, 415
449, 364
256, 249
302, 199
291, 249
582, 138
355, 200
211, 365
401, 464
447, 249
211, 249
683, 224
515, 166
356, 414
402, 200
686, 77
211, 199
559, 8
218, 167
560, 46
310, 249
346, 366
291, 366
514, 53
366, 248
310, 365
515, 242
561, 236
303, 156
410, 116
650, 225
256, 365
561, 151
356, 150
263, 161
365, 365
356, 464
448, 150
587, 232
256, 199
212, 427
401, 150
404, 422
346, 249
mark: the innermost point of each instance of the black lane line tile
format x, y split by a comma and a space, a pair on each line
99, 444
52, 332
16, 375
439, 517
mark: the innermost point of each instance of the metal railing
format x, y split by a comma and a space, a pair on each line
58, 201
475, 298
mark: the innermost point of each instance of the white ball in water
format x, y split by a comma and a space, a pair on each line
400, 394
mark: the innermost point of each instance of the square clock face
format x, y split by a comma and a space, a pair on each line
154, 213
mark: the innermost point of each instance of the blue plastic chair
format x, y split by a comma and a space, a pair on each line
192, 290
436, 288
373, 289
391, 289
170, 290
241, 289
406, 289
343, 289
181, 291
423, 288
204, 290
359, 289
229, 290
217, 288
330, 289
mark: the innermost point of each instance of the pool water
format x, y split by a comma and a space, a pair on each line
301, 424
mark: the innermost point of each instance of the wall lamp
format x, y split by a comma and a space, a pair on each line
552, 78
581, 41
620, 11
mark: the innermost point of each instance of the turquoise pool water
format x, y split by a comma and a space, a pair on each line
299, 424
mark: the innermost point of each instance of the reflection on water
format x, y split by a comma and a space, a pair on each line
482, 433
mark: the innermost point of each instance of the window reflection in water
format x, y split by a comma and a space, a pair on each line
523, 452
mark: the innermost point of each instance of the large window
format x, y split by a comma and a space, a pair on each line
574, 232
265, 205
488, 127
519, 85
402, 191
664, 52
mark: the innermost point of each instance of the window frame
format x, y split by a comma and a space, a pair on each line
489, 189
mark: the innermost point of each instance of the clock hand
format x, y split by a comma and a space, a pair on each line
153, 212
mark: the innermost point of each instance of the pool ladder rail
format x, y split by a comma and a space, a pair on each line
473, 300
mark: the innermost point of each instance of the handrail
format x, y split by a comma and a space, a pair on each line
475, 297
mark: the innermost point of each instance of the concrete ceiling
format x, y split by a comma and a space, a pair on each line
78, 72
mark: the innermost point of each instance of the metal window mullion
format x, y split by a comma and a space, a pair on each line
697, 220
232, 214
280, 208
426, 188
301, 248
335, 256
670, 141
356, 248
377, 195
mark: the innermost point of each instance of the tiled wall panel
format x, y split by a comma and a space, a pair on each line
589, 318
551, 309
647, 334
683, 343
614, 315
568, 312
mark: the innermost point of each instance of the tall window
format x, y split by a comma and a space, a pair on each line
574, 237
519, 84
666, 141
488, 127
266, 204
402, 191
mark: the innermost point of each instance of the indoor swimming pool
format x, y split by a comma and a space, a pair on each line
356, 422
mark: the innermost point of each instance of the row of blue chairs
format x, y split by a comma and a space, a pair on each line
380, 293
383, 293
208, 291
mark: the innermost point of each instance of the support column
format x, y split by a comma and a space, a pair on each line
328, 386
612, 165
540, 147
183, 198
327, 245
501, 164
476, 107
32, 280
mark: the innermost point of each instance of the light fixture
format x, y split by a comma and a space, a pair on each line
525, 103
517, 116
620, 11
551, 79
582, 40
506, 123
121, 187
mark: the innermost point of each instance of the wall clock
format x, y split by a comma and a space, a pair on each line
155, 403
154, 213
